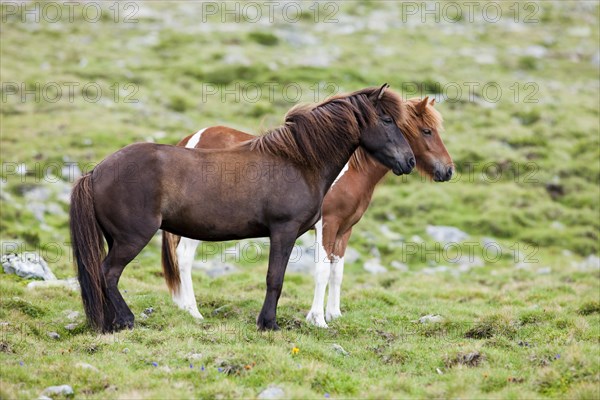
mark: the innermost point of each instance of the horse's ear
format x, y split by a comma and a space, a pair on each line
422, 106
432, 103
382, 91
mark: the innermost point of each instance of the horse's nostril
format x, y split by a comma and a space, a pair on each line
412, 162
449, 172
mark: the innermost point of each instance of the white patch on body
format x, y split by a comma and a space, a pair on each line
194, 139
344, 170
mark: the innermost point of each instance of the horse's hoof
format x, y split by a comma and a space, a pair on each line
263, 325
316, 319
122, 324
331, 315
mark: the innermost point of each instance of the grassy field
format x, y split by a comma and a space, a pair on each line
519, 322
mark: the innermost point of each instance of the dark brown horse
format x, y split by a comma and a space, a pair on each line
272, 186
343, 206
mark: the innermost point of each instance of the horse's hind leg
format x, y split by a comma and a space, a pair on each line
184, 298
120, 254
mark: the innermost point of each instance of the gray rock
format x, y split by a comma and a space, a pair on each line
214, 267
592, 262
70, 283
435, 270
37, 209
82, 365
62, 390
374, 266
431, 318
72, 315
388, 233
351, 256
303, 259
400, 266
535, 51
27, 265
70, 172
340, 349
416, 239
446, 234
53, 335
544, 271
272, 392
193, 356
71, 327
596, 59
37, 193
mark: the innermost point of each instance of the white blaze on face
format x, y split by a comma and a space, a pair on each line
194, 139
340, 174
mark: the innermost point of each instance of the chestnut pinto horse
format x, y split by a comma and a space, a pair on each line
343, 206
147, 186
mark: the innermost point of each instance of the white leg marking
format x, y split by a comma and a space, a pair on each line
340, 175
194, 139
335, 286
185, 256
322, 269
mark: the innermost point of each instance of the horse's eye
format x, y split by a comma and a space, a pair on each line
427, 131
387, 120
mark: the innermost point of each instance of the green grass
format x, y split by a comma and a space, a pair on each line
527, 177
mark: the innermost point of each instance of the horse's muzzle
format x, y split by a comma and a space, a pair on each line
443, 174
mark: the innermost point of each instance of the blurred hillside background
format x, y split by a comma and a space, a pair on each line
517, 84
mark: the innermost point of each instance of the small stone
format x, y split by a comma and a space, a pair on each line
374, 266
351, 256
544, 271
557, 225
83, 365
592, 262
431, 318
389, 234
125, 350
439, 371
149, 310
272, 392
400, 266
340, 349
62, 390
416, 239
70, 327
72, 315
193, 356
446, 234
53, 335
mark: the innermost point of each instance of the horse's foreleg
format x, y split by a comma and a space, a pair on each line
322, 270
184, 298
282, 242
335, 281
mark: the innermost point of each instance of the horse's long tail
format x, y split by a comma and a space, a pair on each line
88, 250
169, 260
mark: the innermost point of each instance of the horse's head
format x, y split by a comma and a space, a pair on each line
423, 126
384, 140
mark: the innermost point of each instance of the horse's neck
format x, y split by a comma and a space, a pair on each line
370, 175
330, 173
375, 172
